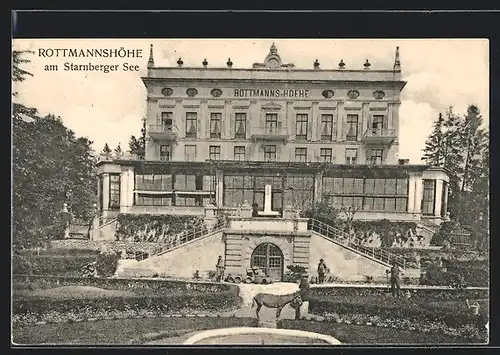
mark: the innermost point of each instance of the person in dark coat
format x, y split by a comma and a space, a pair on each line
395, 280
304, 291
219, 267
322, 271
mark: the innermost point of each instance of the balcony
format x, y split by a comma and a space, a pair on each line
163, 133
379, 136
270, 134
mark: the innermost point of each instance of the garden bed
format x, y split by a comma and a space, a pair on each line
39, 309
55, 299
352, 334
449, 316
119, 331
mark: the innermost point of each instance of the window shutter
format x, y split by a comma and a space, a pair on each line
232, 124
369, 122
334, 127
344, 128
360, 127
309, 126
318, 128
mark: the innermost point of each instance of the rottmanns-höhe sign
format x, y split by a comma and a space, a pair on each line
296, 93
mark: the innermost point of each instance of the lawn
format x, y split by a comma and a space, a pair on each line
119, 331
368, 335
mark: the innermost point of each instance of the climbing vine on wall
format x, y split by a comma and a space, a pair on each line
152, 228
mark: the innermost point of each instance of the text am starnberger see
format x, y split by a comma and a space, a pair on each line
91, 53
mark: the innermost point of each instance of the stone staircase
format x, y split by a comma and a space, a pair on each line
194, 232
354, 243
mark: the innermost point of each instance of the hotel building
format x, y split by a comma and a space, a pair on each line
219, 135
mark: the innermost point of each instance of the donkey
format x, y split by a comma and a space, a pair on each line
275, 301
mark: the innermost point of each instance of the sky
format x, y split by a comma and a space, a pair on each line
107, 108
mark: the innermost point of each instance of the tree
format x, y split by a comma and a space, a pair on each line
50, 167
434, 151
349, 212
474, 141
136, 146
19, 75
118, 152
106, 150
466, 158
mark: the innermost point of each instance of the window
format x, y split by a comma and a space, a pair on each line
352, 127
153, 182
377, 124
237, 189
239, 153
271, 122
151, 200
191, 124
351, 155
185, 182
301, 154
166, 121
376, 156
165, 152
215, 124
270, 153
114, 191
301, 127
326, 127
371, 194
101, 195
299, 190
241, 125
428, 197
190, 152
214, 152
326, 154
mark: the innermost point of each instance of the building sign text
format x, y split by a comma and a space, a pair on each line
284, 93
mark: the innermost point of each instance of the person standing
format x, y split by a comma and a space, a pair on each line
304, 290
395, 280
219, 267
322, 271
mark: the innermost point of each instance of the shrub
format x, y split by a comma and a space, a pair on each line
150, 228
63, 265
144, 286
455, 276
107, 262
294, 273
413, 312
40, 306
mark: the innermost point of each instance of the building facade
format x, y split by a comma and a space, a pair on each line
218, 136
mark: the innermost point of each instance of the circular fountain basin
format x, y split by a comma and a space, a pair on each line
260, 336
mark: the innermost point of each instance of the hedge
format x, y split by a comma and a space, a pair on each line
411, 312
142, 286
177, 302
50, 264
455, 276
423, 295
151, 228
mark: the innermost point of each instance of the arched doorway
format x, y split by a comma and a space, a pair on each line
269, 258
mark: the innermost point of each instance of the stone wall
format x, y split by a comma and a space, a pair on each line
343, 263
183, 261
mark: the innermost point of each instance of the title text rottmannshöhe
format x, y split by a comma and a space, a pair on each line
302, 93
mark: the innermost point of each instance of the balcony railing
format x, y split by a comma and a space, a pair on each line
163, 132
270, 133
379, 136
